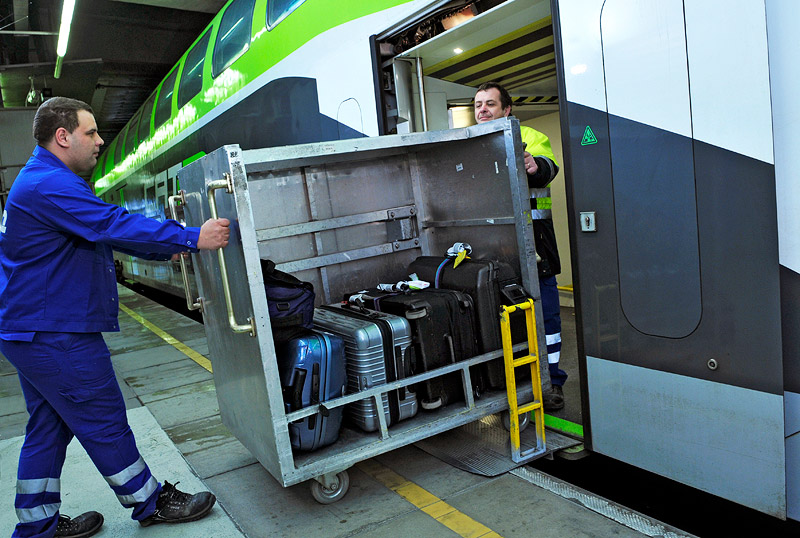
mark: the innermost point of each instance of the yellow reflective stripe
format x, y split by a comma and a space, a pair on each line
427, 502
544, 203
180, 346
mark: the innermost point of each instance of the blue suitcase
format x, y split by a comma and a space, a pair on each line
312, 369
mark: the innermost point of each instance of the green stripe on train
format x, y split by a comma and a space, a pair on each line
267, 48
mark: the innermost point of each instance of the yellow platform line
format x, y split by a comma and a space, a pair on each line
456, 521
168, 338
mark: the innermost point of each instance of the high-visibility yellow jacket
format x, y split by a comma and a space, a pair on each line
538, 145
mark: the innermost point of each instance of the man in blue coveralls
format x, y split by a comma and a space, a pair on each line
492, 102
57, 294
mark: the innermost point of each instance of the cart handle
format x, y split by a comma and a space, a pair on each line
212, 187
173, 209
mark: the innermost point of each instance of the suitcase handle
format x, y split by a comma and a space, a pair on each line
312, 420
451, 347
296, 388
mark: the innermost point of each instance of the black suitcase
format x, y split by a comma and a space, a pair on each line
442, 322
490, 283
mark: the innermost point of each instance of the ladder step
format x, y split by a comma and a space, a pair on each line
529, 407
527, 359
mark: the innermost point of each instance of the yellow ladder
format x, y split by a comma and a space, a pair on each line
514, 409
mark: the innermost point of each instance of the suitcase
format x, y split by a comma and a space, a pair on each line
443, 325
312, 370
490, 283
377, 350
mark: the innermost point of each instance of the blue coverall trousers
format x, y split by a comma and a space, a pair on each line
70, 390
551, 310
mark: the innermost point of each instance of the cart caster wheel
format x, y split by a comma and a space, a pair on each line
524, 420
325, 495
417, 314
430, 405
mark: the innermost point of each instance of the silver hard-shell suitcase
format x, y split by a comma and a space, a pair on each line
377, 349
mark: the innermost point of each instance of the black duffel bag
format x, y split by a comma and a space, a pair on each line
291, 303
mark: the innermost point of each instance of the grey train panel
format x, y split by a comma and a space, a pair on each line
793, 471
790, 310
654, 192
740, 324
726, 439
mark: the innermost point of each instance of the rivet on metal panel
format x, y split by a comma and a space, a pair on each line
391, 214
412, 211
396, 245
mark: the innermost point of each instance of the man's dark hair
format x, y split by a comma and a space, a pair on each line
505, 97
55, 113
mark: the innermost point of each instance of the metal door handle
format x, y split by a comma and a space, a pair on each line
173, 209
212, 187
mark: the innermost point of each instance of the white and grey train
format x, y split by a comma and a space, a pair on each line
681, 167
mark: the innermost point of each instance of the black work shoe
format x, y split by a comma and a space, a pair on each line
554, 399
175, 506
87, 524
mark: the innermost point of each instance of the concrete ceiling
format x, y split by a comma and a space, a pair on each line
118, 51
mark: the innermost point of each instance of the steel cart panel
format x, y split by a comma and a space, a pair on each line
346, 215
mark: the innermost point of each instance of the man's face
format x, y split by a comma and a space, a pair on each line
84, 144
488, 107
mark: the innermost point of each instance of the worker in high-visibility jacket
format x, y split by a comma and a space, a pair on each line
58, 293
492, 101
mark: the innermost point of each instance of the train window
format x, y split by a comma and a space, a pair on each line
164, 104
144, 124
118, 149
233, 37
192, 76
277, 10
130, 136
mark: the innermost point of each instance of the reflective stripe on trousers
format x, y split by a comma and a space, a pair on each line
70, 389
551, 310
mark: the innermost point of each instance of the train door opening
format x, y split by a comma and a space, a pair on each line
429, 71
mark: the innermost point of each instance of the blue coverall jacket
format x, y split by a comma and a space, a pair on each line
56, 240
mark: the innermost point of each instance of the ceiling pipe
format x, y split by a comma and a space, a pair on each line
26, 32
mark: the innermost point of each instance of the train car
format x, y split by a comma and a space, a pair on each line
676, 123
273, 73
682, 171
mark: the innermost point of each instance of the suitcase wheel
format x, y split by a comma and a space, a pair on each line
430, 405
417, 314
335, 490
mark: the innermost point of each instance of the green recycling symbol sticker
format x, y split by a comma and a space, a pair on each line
588, 137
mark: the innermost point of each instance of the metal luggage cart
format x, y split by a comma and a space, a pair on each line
346, 215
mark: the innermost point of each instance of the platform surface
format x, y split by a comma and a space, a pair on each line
174, 413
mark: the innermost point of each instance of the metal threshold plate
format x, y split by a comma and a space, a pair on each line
483, 447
